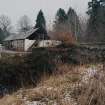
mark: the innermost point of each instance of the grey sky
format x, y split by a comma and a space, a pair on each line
16, 8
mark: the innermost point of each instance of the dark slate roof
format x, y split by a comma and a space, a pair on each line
20, 36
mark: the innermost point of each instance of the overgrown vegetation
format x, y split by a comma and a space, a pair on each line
20, 71
95, 26
70, 71
16, 70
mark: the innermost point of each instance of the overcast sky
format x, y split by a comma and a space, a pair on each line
17, 8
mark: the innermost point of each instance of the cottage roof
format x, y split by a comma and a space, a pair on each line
20, 36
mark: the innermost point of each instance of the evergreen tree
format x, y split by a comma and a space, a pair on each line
60, 20
61, 16
1, 35
67, 22
96, 22
41, 23
73, 22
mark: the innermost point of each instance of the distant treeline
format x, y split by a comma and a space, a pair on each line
82, 29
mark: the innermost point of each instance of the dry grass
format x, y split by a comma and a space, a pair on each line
10, 100
93, 93
56, 88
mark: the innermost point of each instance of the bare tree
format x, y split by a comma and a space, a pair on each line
83, 23
66, 37
24, 24
5, 24
62, 34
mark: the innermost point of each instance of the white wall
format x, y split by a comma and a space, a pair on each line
28, 44
49, 43
18, 44
1, 47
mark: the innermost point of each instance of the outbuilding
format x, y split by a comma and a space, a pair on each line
27, 41
23, 41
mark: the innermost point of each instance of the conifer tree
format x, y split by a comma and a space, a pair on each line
41, 23
61, 16
60, 20
1, 35
67, 22
96, 22
73, 22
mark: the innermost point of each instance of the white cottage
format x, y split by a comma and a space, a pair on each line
21, 42
28, 40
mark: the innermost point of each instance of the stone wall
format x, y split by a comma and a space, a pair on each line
79, 54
